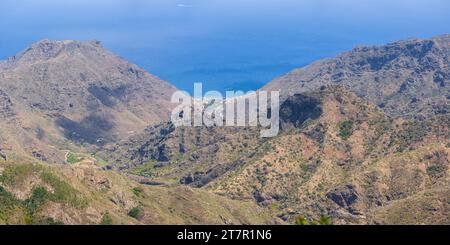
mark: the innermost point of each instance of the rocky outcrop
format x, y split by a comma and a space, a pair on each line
346, 197
3, 155
6, 106
299, 108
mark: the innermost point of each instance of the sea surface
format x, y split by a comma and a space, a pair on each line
225, 44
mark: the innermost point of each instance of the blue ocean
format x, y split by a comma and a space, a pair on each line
225, 44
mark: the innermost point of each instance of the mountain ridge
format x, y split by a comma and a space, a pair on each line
408, 77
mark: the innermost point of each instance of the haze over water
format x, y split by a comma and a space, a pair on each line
226, 44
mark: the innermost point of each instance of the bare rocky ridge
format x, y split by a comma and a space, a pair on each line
405, 78
6, 106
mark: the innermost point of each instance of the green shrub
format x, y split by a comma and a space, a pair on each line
324, 220
136, 213
7, 202
106, 219
138, 191
345, 129
72, 158
6, 198
47, 221
38, 198
436, 171
301, 221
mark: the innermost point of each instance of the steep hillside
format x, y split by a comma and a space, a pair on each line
83, 194
405, 78
56, 91
337, 155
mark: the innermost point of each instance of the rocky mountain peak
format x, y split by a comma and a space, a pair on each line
47, 49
